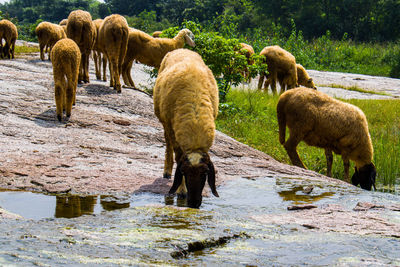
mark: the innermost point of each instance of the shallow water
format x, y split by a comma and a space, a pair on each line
147, 232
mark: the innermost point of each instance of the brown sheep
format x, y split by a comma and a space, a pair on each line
150, 51
113, 41
63, 22
186, 103
303, 79
248, 51
65, 57
48, 34
322, 121
280, 62
157, 34
97, 55
81, 29
8, 32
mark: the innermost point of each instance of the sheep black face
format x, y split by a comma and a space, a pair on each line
195, 172
365, 177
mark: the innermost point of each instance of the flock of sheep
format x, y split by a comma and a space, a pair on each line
186, 95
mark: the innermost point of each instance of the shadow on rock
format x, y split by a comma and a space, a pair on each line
98, 89
47, 119
158, 185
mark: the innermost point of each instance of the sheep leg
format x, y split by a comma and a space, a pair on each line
260, 81
104, 68
59, 96
346, 165
273, 77
169, 155
13, 48
86, 68
97, 60
41, 46
115, 73
329, 159
181, 192
110, 66
70, 94
81, 67
290, 147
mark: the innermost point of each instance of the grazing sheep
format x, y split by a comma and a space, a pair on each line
280, 62
156, 34
248, 51
8, 32
97, 55
186, 103
113, 41
303, 79
48, 34
322, 121
65, 57
151, 51
81, 29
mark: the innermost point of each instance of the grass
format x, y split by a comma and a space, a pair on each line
26, 49
353, 88
250, 117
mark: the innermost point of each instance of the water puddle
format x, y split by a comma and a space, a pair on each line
38, 206
148, 229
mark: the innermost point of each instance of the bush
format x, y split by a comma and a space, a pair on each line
221, 56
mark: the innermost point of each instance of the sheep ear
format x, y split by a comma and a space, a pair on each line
211, 178
177, 179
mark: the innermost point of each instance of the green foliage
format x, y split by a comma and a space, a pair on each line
147, 21
221, 56
250, 117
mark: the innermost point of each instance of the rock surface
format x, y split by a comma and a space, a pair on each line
112, 142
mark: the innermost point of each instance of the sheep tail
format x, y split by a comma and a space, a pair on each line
280, 110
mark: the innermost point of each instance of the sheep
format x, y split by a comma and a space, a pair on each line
48, 34
280, 62
97, 55
302, 78
65, 58
156, 34
248, 51
63, 22
150, 51
322, 121
113, 42
81, 29
186, 103
8, 32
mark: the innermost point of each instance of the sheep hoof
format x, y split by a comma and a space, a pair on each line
167, 176
181, 196
59, 117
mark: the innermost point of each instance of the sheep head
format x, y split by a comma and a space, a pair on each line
189, 37
310, 84
195, 168
365, 177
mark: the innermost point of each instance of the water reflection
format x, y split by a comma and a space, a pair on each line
38, 206
74, 206
297, 195
111, 203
